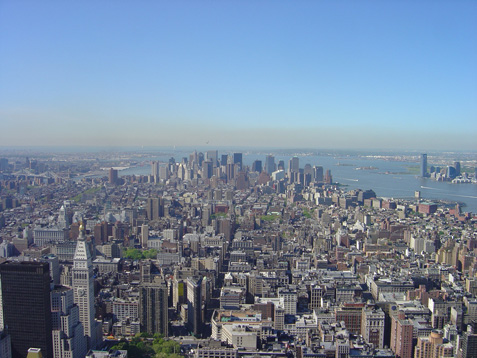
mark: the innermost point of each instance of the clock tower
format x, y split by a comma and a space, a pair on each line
83, 287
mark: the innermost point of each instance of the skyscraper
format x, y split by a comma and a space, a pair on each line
194, 305
457, 168
212, 156
318, 173
294, 164
270, 166
223, 159
155, 171
154, 208
401, 335
26, 307
144, 235
238, 160
257, 166
68, 333
113, 176
207, 169
423, 165
83, 288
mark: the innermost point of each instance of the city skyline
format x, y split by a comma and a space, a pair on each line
348, 75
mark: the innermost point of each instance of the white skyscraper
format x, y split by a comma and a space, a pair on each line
63, 220
83, 288
69, 340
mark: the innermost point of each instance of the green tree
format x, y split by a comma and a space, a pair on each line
133, 254
150, 254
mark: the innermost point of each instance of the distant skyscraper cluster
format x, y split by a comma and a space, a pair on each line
230, 169
445, 173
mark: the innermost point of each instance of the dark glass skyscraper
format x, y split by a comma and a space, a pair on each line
257, 166
27, 307
238, 159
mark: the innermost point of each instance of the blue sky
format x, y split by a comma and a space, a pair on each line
317, 74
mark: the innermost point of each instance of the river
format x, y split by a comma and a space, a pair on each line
389, 179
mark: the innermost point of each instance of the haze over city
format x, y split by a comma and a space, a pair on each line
334, 74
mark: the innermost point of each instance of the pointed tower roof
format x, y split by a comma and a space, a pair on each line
82, 252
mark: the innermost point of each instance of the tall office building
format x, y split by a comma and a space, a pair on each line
451, 172
154, 208
207, 169
270, 166
155, 170
194, 305
294, 164
223, 159
26, 308
69, 340
238, 160
212, 156
113, 176
423, 165
230, 172
318, 173
257, 166
3, 164
83, 286
64, 221
144, 235
153, 307
457, 168
293, 170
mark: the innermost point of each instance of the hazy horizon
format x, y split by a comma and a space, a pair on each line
351, 75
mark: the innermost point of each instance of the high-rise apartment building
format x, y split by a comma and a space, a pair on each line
26, 308
153, 307
401, 335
